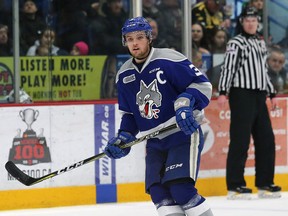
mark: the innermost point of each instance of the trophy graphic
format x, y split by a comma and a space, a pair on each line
29, 116
29, 149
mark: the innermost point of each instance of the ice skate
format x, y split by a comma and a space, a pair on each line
239, 193
269, 192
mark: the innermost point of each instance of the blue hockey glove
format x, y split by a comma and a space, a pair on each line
184, 113
113, 149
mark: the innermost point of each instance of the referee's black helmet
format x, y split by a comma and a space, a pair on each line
249, 12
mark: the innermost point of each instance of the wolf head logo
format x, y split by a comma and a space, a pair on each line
147, 97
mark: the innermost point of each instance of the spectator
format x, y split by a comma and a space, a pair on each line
47, 39
283, 43
104, 38
6, 46
213, 74
218, 40
43, 6
31, 24
157, 41
80, 49
218, 43
91, 9
42, 50
71, 22
108, 83
277, 72
210, 14
171, 27
149, 9
199, 36
199, 44
259, 5
6, 13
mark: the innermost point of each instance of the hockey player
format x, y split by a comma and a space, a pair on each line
156, 88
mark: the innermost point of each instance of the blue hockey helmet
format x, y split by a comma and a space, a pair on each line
136, 24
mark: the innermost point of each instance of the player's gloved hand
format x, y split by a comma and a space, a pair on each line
184, 113
113, 149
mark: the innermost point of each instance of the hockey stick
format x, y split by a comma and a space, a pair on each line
28, 180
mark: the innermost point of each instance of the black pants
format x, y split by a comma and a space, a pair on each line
249, 115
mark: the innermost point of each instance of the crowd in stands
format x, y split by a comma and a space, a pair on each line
93, 27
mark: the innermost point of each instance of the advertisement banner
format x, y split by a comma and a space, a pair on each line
104, 131
216, 133
43, 139
57, 78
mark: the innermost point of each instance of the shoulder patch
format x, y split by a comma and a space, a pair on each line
129, 79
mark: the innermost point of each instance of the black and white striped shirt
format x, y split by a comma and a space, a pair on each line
245, 65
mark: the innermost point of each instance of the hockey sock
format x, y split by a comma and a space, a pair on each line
174, 210
163, 201
192, 203
200, 210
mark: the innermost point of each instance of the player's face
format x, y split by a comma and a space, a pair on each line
250, 25
138, 45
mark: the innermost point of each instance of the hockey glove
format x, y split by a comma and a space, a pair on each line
184, 113
113, 150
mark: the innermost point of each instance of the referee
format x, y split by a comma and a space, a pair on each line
245, 80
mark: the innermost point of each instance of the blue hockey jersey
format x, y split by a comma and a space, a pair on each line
146, 97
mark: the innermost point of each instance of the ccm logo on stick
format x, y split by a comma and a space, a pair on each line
71, 167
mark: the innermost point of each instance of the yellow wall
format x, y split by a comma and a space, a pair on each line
47, 197
133, 192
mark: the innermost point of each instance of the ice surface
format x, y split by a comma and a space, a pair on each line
220, 207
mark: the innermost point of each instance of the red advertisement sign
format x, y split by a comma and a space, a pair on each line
216, 133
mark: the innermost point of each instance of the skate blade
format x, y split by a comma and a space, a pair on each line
238, 196
263, 194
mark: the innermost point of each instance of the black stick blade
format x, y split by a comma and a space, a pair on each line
18, 174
